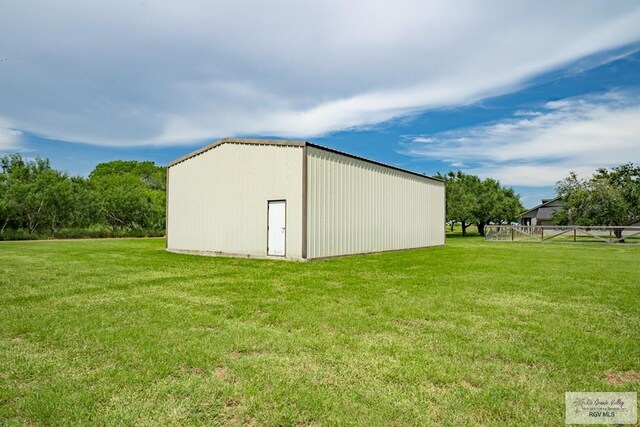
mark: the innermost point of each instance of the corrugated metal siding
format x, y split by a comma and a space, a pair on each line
358, 207
217, 201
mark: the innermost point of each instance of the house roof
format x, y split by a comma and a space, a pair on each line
294, 143
544, 203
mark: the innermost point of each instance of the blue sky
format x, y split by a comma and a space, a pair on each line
521, 92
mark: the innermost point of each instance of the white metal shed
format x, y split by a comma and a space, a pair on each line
297, 200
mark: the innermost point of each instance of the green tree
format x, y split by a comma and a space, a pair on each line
473, 201
488, 197
572, 188
84, 214
157, 215
14, 171
118, 195
123, 202
130, 194
462, 191
608, 198
46, 199
625, 179
6, 206
60, 202
33, 194
152, 176
496, 204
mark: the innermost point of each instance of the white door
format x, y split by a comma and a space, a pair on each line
276, 230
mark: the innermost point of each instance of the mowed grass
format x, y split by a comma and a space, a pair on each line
121, 332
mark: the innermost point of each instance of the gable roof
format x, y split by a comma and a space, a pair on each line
280, 142
543, 204
291, 143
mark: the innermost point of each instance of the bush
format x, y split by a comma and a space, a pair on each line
78, 233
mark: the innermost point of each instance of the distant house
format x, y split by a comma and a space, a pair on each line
543, 213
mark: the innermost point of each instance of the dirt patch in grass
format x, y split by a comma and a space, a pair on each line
220, 373
469, 386
191, 370
231, 403
622, 378
235, 355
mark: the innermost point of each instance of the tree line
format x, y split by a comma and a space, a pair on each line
611, 197
472, 201
117, 196
125, 196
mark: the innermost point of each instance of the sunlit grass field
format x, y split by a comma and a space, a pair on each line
119, 332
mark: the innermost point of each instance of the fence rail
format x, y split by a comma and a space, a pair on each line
563, 233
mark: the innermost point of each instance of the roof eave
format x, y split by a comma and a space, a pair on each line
291, 143
279, 142
539, 206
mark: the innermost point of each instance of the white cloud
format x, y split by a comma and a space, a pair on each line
9, 138
574, 134
118, 72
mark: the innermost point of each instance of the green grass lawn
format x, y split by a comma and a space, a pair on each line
121, 332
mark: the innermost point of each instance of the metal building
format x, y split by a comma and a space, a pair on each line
297, 200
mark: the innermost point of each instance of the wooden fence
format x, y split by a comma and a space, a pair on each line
563, 233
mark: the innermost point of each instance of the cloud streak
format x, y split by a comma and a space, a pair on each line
9, 138
540, 147
124, 73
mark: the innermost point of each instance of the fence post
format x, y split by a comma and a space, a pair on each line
574, 234
512, 234
541, 233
